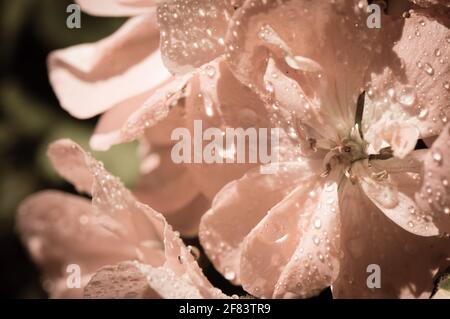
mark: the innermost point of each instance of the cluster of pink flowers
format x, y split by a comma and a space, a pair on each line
351, 188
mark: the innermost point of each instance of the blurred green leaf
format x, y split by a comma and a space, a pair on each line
26, 115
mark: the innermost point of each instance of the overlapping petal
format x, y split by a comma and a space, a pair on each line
88, 79
411, 82
142, 231
325, 47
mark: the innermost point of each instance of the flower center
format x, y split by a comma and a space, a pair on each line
345, 153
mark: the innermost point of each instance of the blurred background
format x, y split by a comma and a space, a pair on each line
30, 118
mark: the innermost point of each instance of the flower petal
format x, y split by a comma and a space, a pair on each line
393, 191
122, 281
211, 103
193, 32
153, 240
434, 195
60, 229
116, 8
410, 82
407, 262
307, 37
91, 78
400, 136
237, 208
302, 229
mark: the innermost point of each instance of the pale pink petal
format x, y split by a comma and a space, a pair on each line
293, 250
167, 187
393, 190
137, 225
117, 8
325, 46
211, 102
400, 136
163, 106
193, 32
91, 78
434, 194
122, 281
407, 262
410, 82
60, 229
154, 113
238, 208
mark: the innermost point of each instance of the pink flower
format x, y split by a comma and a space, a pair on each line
346, 193
87, 84
114, 231
350, 189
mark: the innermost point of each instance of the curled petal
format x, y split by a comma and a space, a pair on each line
91, 78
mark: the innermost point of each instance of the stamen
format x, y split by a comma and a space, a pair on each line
327, 171
348, 173
380, 175
312, 143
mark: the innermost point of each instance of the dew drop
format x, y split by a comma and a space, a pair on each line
437, 52
429, 69
446, 85
229, 274
210, 71
407, 96
423, 114
317, 223
437, 156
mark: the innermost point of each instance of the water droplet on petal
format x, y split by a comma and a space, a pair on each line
437, 156
229, 274
407, 96
446, 85
429, 69
423, 114
317, 223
